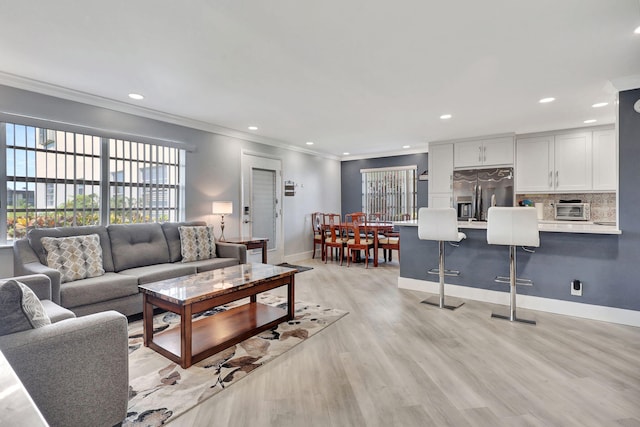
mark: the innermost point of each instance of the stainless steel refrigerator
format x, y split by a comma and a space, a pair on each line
475, 190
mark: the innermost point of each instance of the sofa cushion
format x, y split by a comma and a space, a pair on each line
55, 312
172, 234
35, 235
97, 289
137, 245
154, 273
20, 308
197, 243
75, 257
213, 263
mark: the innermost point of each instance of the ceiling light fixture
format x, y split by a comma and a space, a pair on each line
590, 121
346, 153
446, 116
309, 143
600, 104
406, 146
637, 30
546, 100
253, 128
136, 96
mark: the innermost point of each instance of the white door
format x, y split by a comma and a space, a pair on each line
261, 211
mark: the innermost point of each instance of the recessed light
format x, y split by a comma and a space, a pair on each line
346, 153
309, 143
253, 128
636, 31
406, 146
546, 100
600, 104
136, 96
445, 116
590, 121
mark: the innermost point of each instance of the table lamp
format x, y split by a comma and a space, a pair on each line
222, 209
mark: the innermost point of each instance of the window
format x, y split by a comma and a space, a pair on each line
390, 192
57, 178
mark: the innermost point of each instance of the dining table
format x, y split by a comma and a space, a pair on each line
374, 227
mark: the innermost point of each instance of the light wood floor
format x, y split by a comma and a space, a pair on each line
396, 362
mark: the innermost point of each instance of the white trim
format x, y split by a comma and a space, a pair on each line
567, 308
300, 256
44, 88
390, 169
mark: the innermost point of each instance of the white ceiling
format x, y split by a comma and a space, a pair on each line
363, 76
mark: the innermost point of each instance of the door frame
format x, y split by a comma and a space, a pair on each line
253, 159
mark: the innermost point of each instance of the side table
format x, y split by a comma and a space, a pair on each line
252, 243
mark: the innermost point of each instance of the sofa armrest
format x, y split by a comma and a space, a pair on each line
76, 370
26, 262
40, 284
232, 250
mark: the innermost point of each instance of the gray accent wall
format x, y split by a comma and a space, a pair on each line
213, 164
352, 179
608, 265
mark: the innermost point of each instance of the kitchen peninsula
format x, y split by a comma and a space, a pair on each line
568, 251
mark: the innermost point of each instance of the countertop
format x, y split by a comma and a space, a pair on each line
584, 227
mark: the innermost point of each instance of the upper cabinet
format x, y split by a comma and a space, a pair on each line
484, 152
605, 160
440, 175
566, 163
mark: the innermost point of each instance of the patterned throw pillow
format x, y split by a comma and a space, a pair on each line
20, 308
197, 242
75, 257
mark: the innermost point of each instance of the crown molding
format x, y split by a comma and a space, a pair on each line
44, 88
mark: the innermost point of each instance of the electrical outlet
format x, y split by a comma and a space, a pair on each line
576, 288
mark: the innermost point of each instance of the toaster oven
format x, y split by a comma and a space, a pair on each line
572, 211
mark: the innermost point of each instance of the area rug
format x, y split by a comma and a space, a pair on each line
160, 390
300, 268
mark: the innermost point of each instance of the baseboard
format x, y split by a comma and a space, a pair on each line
568, 308
301, 256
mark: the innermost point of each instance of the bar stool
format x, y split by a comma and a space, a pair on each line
441, 225
513, 227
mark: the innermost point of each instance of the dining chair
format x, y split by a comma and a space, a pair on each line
317, 221
390, 241
360, 241
336, 237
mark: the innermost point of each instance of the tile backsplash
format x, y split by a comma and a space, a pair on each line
603, 205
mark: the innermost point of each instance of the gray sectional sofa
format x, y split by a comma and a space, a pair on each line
132, 254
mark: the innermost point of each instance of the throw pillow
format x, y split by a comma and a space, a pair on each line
20, 308
75, 257
197, 242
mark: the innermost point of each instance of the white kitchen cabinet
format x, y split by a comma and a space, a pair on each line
572, 162
534, 164
484, 152
441, 200
605, 160
440, 173
561, 163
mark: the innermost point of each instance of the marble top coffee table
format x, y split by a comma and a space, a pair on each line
196, 340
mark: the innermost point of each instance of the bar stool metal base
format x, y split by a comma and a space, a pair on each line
513, 282
441, 272
517, 319
435, 301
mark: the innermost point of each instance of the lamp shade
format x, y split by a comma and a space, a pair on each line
222, 208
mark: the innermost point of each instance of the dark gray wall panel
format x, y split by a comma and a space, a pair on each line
352, 180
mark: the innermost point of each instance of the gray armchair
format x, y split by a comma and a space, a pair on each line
76, 369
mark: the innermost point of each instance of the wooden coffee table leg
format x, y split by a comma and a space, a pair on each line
185, 336
291, 302
147, 318
264, 251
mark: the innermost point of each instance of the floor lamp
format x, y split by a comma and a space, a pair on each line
222, 209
